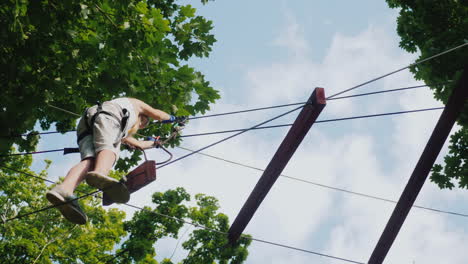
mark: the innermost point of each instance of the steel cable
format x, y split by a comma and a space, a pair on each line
183, 221
258, 128
401, 69
240, 111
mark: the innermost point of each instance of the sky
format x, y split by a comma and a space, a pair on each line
276, 52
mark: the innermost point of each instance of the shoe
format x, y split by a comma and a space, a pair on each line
70, 210
116, 190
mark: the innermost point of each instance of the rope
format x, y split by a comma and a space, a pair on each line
282, 175
200, 226
263, 127
64, 110
319, 121
237, 134
27, 174
193, 224
177, 219
30, 153
248, 110
178, 242
292, 104
35, 133
404, 68
241, 111
385, 91
244, 236
307, 251
51, 206
243, 131
327, 186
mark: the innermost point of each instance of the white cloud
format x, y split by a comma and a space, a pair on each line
369, 156
351, 159
292, 38
349, 61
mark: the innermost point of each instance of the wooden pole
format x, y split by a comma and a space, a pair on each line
446, 121
296, 134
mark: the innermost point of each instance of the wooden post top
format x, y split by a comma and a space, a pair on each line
296, 134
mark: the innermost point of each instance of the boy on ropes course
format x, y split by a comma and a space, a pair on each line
100, 132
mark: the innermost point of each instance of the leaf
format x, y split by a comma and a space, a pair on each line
432, 30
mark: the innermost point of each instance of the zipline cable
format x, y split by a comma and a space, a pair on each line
330, 99
180, 158
31, 153
318, 121
247, 110
64, 110
51, 206
385, 91
251, 128
325, 186
227, 138
200, 226
197, 151
244, 236
282, 175
190, 154
27, 174
240, 111
178, 242
395, 71
306, 251
36, 133
180, 220
262, 127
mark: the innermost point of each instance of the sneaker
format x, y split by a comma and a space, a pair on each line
111, 187
70, 210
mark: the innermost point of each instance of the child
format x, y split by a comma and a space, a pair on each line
100, 133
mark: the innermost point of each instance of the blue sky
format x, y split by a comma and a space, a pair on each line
245, 30
276, 52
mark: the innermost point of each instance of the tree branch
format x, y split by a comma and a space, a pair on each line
50, 242
106, 15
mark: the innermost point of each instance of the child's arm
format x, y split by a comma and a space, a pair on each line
145, 109
135, 143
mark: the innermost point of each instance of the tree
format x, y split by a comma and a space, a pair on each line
433, 27
204, 246
46, 237
71, 54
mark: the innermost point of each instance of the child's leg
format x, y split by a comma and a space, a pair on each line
76, 175
104, 161
98, 178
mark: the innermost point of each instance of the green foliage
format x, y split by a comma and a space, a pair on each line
147, 226
433, 27
205, 246
456, 163
46, 237
71, 54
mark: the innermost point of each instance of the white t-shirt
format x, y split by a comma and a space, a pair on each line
133, 116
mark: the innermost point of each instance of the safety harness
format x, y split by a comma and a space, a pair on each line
90, 123
146, 172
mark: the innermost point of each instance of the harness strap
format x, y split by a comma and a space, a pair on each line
89, 125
